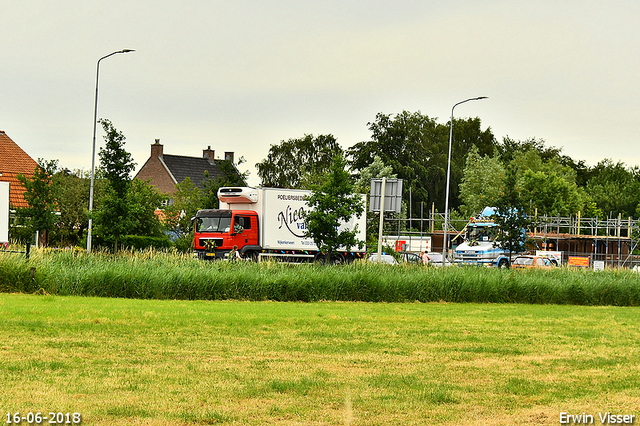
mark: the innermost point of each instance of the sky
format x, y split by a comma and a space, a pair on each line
243, 75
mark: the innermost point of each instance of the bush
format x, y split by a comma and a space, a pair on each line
184, 244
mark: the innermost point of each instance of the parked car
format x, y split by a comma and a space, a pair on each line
435, 259
412, 258
384, 258
526, 262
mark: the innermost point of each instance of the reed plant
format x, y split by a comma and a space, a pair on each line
167, 275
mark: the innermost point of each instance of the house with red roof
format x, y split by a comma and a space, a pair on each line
13, 161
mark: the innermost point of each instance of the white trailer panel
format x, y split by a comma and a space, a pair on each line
283, 225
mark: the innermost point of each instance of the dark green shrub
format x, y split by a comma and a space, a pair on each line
184, 244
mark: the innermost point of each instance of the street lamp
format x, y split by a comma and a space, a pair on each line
446, 198
93, 151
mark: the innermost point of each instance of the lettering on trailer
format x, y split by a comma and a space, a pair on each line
290, 197
290, 216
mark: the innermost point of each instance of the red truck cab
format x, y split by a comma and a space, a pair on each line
217, 231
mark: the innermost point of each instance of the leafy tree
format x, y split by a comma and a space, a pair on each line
375, 170
143, 201
73, 199
614, 188
510, 150
416, 147
467, 134
117, 164
332, 203
482, 182
510, 216
40, 195
113, 216
591, 210
546, 179
550, 193
410, 144
298, 163
187, 200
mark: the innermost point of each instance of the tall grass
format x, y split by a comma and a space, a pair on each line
161, 275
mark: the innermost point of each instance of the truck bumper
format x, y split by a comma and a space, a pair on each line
210, 255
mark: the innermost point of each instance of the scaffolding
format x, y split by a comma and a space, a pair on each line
612, 240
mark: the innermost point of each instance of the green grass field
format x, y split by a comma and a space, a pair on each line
159, 362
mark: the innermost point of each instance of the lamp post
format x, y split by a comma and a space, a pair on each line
93, 151
446, 198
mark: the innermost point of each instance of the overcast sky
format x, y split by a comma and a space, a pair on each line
242, 75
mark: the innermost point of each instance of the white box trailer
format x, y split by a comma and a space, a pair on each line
4, 212
280, 222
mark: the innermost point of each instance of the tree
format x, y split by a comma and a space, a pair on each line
482, 182
511, 216
143, 201
187, 200
113, 217
546, 179
550, 194
116, 162
375, 170
409, 143
416, 147
73, 199
40, 195
332, 203
614, 188
298, 163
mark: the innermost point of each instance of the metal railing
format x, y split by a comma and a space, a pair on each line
27, 252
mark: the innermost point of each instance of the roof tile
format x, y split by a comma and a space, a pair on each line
13, 161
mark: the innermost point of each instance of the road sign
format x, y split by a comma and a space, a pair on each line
392, 197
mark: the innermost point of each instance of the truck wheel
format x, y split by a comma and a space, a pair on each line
251, 256
337, 259
503, 263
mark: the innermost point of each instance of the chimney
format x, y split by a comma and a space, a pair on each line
208, 153
228, 156
156, 149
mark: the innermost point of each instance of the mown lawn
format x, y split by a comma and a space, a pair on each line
150, 362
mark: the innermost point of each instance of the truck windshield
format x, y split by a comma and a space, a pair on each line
220, 223
482, 233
